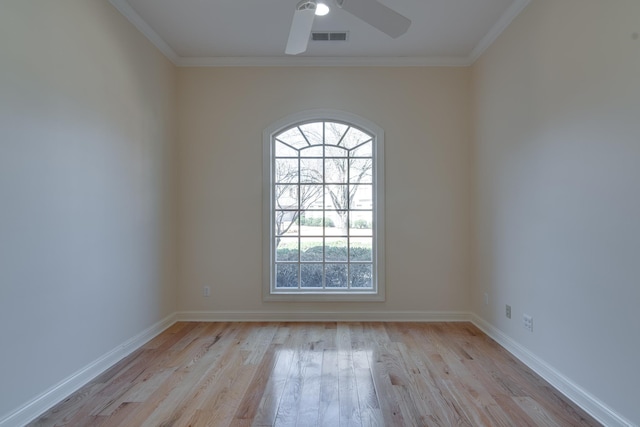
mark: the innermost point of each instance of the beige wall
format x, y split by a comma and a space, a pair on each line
425, 115
557, 159
87, 116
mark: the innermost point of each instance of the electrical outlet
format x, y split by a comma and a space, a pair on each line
486, 298
527, 322
206, 291
508, 311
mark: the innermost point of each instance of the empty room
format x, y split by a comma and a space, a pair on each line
340, 212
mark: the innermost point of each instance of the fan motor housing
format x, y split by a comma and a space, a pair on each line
307, 5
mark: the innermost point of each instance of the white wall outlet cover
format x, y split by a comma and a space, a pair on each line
527, 322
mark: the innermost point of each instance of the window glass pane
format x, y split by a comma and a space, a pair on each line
314, 151
360, 171
283, 150
363, 150
330, 223
336, 275
333, 151
311, 275
286, 223
361, 223
310, 249
362, 197
311, 170
335, 171
336, 197
311, 196
293, 137
313, 132
335, 223
311, 223
287, 249
360, 249
286, 196
286, 275
335, 249
286, 171
360, 276
334, 132
354, 137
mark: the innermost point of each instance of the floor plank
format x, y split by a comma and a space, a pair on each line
318, 374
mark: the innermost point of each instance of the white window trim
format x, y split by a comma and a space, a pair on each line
378, 294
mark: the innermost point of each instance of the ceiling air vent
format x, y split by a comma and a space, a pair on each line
329, 36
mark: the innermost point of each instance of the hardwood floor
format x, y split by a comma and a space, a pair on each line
308, 374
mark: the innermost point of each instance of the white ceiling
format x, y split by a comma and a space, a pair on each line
254, 32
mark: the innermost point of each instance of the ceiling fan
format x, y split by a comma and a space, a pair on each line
372, 12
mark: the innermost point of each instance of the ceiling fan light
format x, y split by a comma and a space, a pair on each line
321, 9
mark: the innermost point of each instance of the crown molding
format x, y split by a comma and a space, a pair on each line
127, 11
505, 20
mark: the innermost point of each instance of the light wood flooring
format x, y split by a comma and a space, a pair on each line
318, 374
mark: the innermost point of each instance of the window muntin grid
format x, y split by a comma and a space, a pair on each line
323, 209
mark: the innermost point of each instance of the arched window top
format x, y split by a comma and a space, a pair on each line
340, 124
343, 139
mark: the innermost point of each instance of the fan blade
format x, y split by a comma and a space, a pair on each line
300, 31
377, 15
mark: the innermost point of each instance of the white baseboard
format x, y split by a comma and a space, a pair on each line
43, 402
323, 316
572, 391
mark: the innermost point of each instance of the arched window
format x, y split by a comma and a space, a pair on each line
323, 208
